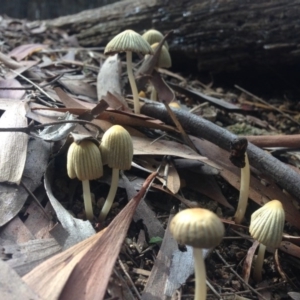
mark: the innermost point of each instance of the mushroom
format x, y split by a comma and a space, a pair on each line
117, 151
153, 36
164, 61
244, 192
84, 162
267, 228
199, 228
129, 41
239, 157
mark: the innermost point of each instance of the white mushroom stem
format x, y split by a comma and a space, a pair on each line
244, 192
134, 90
200, 275
257, 272
111, 195
153, 94
87, 200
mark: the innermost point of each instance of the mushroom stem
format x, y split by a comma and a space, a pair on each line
200, 275
259, 263
134, 90
111, 195
87, 200
244, 192
153, 94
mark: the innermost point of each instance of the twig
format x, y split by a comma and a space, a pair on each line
36, 200
239, 277
266, 103
129, 278
40, 89
282, 174
31, 127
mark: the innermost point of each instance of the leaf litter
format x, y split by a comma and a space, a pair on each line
65, 80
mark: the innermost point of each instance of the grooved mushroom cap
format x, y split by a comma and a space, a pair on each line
164, 60
197, 227
84, 161
128, 40
267, 224
153, 36
117, 148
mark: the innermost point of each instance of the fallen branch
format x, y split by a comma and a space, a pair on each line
283, 175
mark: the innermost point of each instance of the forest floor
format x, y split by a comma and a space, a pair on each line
56, 254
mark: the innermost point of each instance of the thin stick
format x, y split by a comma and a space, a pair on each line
266, 103
40, 89
32, 127
129, 278
239, 277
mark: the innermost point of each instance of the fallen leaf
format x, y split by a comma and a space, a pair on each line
249, 261
74, 230
75, 273
13, 145
12, 197
12, 286
11, 93
24, 51
109, 82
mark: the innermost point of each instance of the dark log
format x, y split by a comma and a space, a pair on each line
220, 35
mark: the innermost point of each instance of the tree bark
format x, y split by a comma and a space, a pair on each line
220, 35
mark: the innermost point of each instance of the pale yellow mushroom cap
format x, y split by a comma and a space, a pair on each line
197, 227
267, 224
128, 40
84, 161
164, 60
117, 148
153, 36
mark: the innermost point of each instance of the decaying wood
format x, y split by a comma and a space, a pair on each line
221, 35
283, 175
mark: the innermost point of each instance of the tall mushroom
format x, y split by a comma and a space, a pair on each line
199, 228
129, 41
84, 162
267, 228
153, 36
117, 151
239, 157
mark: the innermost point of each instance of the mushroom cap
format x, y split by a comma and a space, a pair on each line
153, 36
116, 148
164, 60
197, 227
128, 40
84, 161
267, 224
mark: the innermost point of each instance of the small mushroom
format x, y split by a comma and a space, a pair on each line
199, 228
164, 61
153, 36
117, 151
84, 162
129, 41
267, 228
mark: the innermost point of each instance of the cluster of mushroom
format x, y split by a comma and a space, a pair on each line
85, 160
130, 41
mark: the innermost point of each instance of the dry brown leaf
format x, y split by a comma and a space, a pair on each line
13, 145
290, 248
75, 273
248, 261
258, 192
146, 146
23, 51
